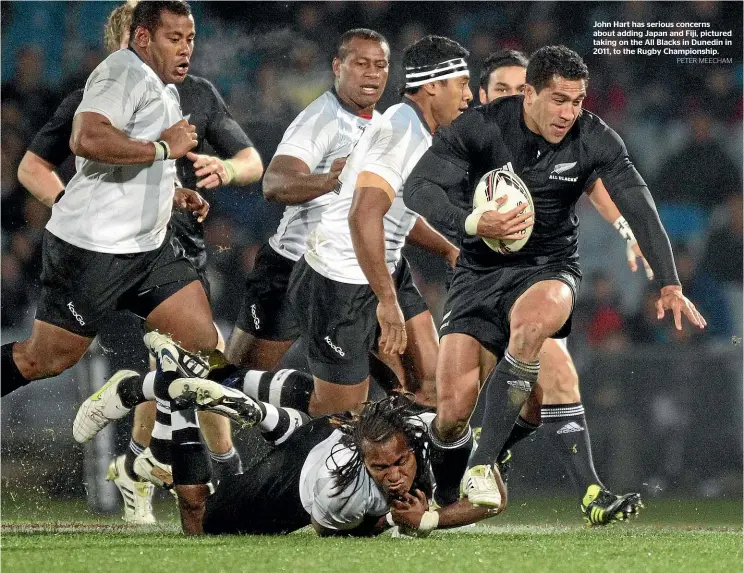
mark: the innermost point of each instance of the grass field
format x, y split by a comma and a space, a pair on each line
537, 536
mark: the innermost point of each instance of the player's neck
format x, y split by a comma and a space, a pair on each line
142, 55
423, 102
351, 106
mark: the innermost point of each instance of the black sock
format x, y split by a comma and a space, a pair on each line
134, 449
222, 373
160, 443
448, 464
522, 429
278, 423
509, 385
189, 456
569, 435
286, 388
12, 379
226, 464
130, 391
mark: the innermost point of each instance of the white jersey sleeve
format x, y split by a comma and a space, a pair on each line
309, 137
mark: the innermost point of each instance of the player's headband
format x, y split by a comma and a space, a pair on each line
418, 76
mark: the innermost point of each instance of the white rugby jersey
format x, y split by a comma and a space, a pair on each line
390, 148
323, 132
121, 208
347, 509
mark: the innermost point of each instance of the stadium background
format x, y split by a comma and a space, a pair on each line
664, 408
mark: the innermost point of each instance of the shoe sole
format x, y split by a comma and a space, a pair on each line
211, 396
183, 359
155, 475
620, 510
85, 407
485, 501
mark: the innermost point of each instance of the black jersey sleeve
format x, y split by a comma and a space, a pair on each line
632, 197
434, 188
223, 133
52, 142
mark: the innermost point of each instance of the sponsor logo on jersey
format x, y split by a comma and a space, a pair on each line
337, 349
559, 168
76, 314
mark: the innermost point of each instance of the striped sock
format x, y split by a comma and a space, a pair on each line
279, 424
449, 460
226, 464
508, 386
134, 449
160, 443
190, 462
286, 388
568, 433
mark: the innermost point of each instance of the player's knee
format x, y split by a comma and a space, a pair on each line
528, 334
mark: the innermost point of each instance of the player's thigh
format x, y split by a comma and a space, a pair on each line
558, 379
458, 374
542, 309
187, 317
244, 349
333, 398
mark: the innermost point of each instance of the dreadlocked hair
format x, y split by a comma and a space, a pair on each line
377, 423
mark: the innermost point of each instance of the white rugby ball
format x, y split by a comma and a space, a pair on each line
499, 183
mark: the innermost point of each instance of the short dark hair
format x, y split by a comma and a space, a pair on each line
501, 59
378, 423
551, 61
429, 51
147, 14
342, 47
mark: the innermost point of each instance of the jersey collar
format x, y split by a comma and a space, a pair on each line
347, 107
419, 113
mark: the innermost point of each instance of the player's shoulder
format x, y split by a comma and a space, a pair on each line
402, 118
72, 101
122, 60
197, 84
593, 128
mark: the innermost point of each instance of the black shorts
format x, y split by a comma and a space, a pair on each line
80, 288
266, 312
340, 320
479, 302
190, 235
265, 499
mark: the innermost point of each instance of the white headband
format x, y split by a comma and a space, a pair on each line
418, 76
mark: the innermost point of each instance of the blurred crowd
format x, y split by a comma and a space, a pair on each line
682, 125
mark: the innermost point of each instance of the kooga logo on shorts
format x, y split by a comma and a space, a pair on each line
256, 322
336, 349
75, 314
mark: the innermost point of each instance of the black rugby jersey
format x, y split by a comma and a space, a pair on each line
52, 142
495, 136
203, 107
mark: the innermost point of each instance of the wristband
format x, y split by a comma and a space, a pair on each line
471, 222
429, 522
230, 168
389, 519
624, 229
162, 150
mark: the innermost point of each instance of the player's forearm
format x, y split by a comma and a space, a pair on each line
637, 206
425, 192
427, 237
368, 237
39, 177
247, 166
101, 142
603, 203
293, 188
460, 513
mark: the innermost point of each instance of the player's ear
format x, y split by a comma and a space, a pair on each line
336, 66
430, 88
141, 37
482, 96
529, 94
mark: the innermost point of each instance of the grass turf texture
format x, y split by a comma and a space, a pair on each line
536, 536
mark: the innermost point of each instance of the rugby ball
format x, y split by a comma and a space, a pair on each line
499, 183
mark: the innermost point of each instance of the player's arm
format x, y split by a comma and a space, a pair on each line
606, 207
427, 237
38, 176
227, 138
629, 192
431, 188
289, 180
95, 138
373, 197
370, 527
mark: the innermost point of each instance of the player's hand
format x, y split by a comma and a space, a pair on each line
407, 512
672, 299
190, 200
633, 252
336, 168
494, 224
393, 337
210, 171
180, 137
